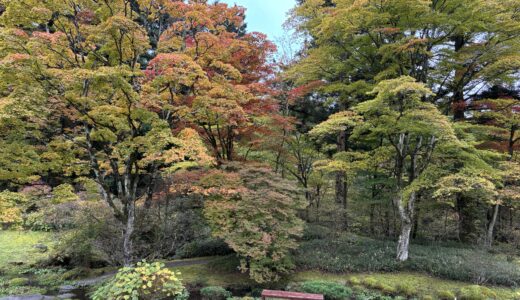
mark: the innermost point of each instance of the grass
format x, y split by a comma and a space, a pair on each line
18, 246
18, 259
423, 285
220, 271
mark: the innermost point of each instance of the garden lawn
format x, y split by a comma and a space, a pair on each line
17, 259
18, 247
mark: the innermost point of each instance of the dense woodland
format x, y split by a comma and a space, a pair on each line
158, 129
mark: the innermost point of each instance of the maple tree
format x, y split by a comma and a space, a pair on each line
254, 211
84, 61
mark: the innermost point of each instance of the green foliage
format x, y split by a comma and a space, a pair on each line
63, 193
11, 207
331, 290
254, 211
205, 247
476, 292
145, 281
18, 281
215, 293
446, 295
406, 289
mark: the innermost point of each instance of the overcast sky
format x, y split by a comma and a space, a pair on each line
266, 16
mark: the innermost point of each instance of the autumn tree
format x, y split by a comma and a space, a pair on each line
255, 212
81, 62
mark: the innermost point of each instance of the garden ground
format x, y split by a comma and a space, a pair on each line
20, 273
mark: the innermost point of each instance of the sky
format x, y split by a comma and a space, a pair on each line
265, 16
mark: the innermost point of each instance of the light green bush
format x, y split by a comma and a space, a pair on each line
146, 281
18, 282
476, 292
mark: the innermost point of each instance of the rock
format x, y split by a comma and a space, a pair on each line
67, 296
64, 289
41, 247
25, 297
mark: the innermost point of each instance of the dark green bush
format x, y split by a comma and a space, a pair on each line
215, 293
316, 232
330, 290
206, 247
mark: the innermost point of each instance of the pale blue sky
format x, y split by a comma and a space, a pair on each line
265, 16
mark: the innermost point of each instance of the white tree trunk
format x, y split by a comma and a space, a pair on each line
404, 242
406, 211
491, 227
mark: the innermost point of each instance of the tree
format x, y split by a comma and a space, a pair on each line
411, 130
503, 116
339, 125
81, 61
355, 44
254, 211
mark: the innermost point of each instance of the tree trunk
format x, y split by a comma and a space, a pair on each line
491, 226
404, 241
129, 230
406, 211
458, 103
340, 176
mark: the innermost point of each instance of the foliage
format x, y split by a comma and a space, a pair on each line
254, 211
101, 90
201, 248
331, 290
10, 207
215, 293
145, 281
476, 292
353, 254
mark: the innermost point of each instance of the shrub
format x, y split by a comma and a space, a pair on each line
76, 273
18, 282
354, 281
315, 232
206, 247
146, 281
406, 289
370, 282
215, 293
386, 289
330, 290
476, 292
363, 294
445, 295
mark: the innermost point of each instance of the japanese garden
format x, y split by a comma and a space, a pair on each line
163, 149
